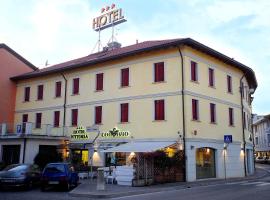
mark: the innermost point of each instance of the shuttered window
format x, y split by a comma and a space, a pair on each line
159, 71
159, 110
58, 86
56, 118
212, 113
74, 117
195, 109
25, 118
27, 94
231, 117
229, 83
40, 92
193, 71
99, 82
76, 86
244, 120
125, 77
98, 114
38, 120
211, 77
124, 112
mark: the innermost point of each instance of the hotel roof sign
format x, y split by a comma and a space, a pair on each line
110, 17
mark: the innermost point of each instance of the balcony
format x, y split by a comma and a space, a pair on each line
29, 129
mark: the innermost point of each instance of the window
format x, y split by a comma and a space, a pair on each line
56, 118
74, 117
159, 110
98, 114
244, 120
99, 82
193, 70
159, 71
40, 92
268, 139
58, 89
27, 94
195, 109
231, 118
125, 77
242, 90
25, 118
212, 113
124, 112
211, 77
38, 120
76, 86
229, 83
256, 140
255, 128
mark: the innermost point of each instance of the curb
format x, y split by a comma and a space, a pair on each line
168, 188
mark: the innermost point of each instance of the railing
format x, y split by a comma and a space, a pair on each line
29, 128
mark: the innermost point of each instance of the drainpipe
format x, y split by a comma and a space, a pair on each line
65, 102
253, 141
24, 149
183, 110
243, 129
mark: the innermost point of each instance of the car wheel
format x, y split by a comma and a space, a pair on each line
29, 185
42, 188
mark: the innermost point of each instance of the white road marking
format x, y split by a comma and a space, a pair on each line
252, 183
263, 184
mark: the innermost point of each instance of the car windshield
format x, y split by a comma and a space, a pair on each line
16, 167
55, 168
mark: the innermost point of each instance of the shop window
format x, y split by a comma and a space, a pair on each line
125, 77
115, 159
76, 86
124, 112
229, 84
38, 120
159, 71
205, 163
58, 85
159, 110
74, 117
27, 94
40, 92
193, 70
211, 77
99, 82
98, 114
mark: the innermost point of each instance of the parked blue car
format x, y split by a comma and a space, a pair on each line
59, 174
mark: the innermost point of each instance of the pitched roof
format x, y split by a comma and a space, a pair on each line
18, 56
139, 48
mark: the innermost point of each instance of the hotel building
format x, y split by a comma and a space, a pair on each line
161, 93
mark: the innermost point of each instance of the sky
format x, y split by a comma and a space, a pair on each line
61, 30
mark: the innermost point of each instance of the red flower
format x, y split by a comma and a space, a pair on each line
102, 10
107, 8
112, 6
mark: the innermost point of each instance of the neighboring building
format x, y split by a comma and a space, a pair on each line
160, 92
261, 130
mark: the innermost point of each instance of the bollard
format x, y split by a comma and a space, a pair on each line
100, 179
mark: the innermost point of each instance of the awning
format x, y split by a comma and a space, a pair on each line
140, 147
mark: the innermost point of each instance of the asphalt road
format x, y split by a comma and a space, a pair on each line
258, 189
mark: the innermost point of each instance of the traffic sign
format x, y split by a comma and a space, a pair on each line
227, 138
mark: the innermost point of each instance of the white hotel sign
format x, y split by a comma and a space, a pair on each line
110, 18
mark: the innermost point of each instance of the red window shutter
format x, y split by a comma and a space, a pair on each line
26, 93
159, 110
58, 89
159, 71
124, 112
98, 114
40, 92
99, 82
212, 112
231, 122
193, 71
74, 117
229, 83
56, 118
195, 109
76, 85
25, 118
38, 120
211, 77
125, 77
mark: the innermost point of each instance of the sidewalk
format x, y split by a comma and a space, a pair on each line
87, 188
